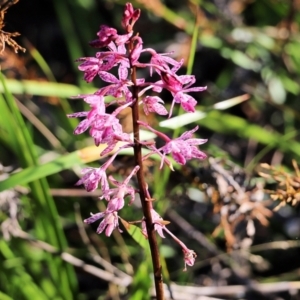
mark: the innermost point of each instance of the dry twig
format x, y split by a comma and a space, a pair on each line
7, 37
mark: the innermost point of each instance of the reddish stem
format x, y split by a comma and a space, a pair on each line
146, 205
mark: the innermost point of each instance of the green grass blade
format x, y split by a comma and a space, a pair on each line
194, 42
141, 283
47, 226
65, 106
42, 63
229, 124
66, 23
38, 88
20, 280
5, 297
36, 172
61, 163
136, 233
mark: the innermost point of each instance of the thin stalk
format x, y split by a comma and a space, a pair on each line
146, 204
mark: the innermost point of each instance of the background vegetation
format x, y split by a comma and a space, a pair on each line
246, 52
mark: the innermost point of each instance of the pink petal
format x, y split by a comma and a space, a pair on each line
188, 103
160, 109
94, 217
82, 126
187, 79
197, 141
107, 77
196, 89
178, 157
78, 114
123, 72
188, 134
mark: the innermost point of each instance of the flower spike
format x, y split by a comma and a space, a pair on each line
118, 62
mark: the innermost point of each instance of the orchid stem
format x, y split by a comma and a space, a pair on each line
146, 205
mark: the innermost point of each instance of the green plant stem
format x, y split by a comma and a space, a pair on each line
146, 204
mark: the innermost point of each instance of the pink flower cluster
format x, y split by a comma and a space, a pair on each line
123, 52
